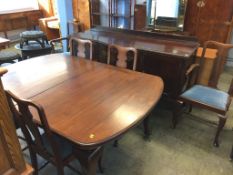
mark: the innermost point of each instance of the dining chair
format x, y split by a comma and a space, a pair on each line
81, 48
207, 97
51, 147
125, 57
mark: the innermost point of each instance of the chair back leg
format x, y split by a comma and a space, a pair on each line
231, 155
221, 124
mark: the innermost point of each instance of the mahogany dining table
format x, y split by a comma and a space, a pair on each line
87, 102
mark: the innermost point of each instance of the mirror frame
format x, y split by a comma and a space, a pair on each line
170, 23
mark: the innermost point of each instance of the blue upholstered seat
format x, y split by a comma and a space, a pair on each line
208, 96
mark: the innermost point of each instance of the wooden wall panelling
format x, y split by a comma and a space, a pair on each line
46, 6
81, 12
11, 158
209, 19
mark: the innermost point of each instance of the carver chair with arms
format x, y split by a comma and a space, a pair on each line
81, 48
51, 147
125, 57
207, 97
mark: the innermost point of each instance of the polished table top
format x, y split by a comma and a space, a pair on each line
85, 101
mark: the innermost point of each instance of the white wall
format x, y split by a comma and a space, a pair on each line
140, 1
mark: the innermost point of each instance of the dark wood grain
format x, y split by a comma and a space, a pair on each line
162, 54
213, 21
12, 158
85, 101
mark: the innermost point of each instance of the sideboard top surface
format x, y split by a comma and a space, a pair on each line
175, 45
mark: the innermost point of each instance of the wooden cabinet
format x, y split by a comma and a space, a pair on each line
209, 19
112, 13
11, 159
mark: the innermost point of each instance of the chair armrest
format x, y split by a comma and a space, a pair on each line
190, 76
230, 91
58, 40
192, 68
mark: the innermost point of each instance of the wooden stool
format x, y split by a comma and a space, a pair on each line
33, 35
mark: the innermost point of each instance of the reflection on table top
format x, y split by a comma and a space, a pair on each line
85, 101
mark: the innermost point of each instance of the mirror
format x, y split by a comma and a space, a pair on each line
166, 15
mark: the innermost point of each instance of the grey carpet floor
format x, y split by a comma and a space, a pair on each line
186, 150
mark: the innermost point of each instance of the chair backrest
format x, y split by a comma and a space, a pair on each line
219, 61
81, 48
21, 110
125, 57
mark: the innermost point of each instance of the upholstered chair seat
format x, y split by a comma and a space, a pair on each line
208, 96
7, 56
33, 35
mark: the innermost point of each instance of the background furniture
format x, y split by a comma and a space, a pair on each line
166, 15
12, 21
4, 43
165, 55
124, 57
76, 26
205, 97
11, 158
109, 110
8, 56
33, 49
50, 26
209, 20
112, 13
33, 35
